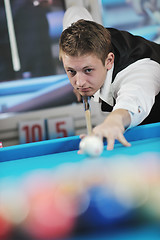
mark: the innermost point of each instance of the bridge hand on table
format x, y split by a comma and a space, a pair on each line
113, 129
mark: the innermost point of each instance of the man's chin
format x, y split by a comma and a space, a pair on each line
86, 94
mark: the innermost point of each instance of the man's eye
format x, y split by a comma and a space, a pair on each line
88, 70
71, 72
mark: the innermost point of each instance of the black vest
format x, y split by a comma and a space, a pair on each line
128, 49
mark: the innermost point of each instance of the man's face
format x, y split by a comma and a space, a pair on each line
86, 73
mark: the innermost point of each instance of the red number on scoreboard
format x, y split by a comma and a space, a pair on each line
33, 133
26, 129
36, 129
61, 130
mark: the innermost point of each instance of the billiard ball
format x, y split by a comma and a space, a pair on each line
91, 145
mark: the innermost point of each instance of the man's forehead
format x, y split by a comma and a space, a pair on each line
83, 61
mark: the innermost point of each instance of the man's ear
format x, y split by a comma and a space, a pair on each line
109, 61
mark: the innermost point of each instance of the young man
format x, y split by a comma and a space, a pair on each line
118, 69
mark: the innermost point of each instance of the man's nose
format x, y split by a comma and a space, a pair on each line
80, 80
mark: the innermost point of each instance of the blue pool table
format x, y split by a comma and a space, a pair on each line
17, 161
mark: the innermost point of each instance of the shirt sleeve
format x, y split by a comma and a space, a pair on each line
135, 88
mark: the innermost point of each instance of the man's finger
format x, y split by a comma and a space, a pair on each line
110, 143
122, 140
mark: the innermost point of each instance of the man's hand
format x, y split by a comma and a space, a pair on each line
79, 97
113, 128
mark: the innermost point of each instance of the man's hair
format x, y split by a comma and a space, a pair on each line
85, 37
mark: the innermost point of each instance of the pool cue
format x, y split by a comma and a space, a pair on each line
86, 101
12, 37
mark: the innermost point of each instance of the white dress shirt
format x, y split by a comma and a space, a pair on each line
134, 89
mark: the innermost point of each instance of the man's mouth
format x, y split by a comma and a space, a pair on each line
84, 89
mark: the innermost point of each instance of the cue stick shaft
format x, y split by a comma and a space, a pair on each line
88, 121
87, 114
12, 37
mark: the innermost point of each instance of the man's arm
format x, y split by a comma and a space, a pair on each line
114, 127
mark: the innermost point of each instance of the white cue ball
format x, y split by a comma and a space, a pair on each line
91, 145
